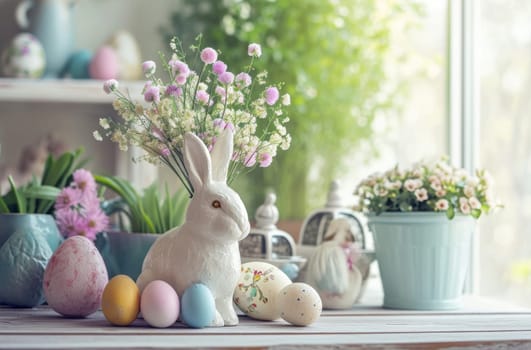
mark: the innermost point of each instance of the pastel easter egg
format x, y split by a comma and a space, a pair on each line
128, 53
198, 308
120, 302
75, 277
299, 304
24, 57
159, 304
78, 64
104, 64
258, 288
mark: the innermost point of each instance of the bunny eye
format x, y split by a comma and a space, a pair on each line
216, 204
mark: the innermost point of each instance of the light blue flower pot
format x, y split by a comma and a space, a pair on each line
423, 258
124, 252
27, 242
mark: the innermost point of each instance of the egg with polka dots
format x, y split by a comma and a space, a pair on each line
299, 304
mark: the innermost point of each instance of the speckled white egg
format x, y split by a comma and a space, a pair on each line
24, 57
258, 288
299, 304
75, 277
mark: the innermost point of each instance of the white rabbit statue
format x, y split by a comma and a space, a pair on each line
205, 248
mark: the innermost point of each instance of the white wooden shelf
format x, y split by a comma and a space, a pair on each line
61, 90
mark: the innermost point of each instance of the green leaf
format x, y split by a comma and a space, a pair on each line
476, 213
48, 193
450, 212
3, 207
21, 203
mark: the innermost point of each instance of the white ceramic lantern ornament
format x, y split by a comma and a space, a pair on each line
205, 248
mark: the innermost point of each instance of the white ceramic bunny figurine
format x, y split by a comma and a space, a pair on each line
205, 248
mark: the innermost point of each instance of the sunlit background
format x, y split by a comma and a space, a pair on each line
369, 81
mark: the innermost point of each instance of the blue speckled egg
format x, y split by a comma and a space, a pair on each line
78, 64
198, 309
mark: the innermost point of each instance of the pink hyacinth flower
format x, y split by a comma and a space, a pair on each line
173, 90
271, 95
152, 94
179, 67
226, 78
265, 160
219, 67
254, 50
149, 68
110, 85
209, 55
243, 80
202, 97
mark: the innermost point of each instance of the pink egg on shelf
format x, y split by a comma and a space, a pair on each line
104, 64
75, 277
159, 304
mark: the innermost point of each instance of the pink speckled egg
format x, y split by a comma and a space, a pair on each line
104, 64
159, 304
75, 277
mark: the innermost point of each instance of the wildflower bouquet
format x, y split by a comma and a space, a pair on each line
427, 187
204, 101
77, 208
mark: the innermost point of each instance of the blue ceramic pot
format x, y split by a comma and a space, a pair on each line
27, 241
423, 258
124, 252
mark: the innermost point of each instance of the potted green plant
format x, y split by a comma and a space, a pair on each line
28, 231
423, 219
142, 216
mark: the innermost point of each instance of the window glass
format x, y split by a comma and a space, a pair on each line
504, 58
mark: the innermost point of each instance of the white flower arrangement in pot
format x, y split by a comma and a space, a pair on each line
423, 219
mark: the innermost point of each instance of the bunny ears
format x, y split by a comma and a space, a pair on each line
204, 167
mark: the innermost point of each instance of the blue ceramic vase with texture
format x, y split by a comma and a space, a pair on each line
27, 242
51, 22
423, 258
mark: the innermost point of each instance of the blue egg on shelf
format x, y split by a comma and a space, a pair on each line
198, 308
78, 65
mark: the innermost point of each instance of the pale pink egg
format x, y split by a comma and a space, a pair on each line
159, 304
104, 64
75, 277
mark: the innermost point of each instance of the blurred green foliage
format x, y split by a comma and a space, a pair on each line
333, 56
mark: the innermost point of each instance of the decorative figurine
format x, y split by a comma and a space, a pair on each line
332, 270
315, 226
267, 243
205, 248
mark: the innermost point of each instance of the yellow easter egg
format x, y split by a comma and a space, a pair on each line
120, 302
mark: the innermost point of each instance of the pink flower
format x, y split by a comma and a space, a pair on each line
219, 67
110, 85
265, 160
152, 94
226, 78
219, 123
243, 80
179, 67
149, 68
180, 79
221, 91
69, 197
465, 208
271, 95
209, 55
421, 194
441, 204
202, 97
254, 50
173, 90
474, 203
84, 180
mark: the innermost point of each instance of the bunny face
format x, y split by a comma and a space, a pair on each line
223, 214
215, 210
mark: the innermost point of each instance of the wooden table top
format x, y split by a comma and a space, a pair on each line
365, 326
